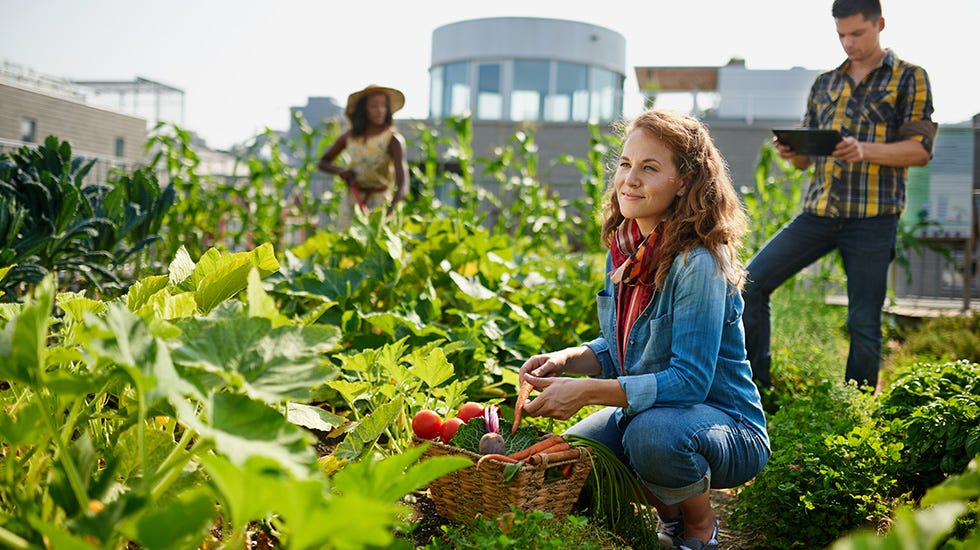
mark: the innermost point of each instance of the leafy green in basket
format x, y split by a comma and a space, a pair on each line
469, 434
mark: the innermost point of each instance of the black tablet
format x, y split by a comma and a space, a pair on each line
808, 141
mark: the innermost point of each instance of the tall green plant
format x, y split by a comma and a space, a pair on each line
429, 174
281, 205
586, 215
526, 207
201, 206
773, 201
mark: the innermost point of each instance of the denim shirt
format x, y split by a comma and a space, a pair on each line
687, 346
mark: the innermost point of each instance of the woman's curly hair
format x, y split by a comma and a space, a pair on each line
709, 214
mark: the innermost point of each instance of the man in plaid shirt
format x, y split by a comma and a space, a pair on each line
882, 106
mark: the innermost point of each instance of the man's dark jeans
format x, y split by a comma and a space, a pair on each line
867, 247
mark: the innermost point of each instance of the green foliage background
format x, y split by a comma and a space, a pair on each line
172, 354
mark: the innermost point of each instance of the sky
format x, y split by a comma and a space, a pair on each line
244, 63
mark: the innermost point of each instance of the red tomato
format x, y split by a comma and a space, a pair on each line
469, 410
449, 428
426, 424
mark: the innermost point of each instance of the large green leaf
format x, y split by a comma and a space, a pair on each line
367, 431
141, 291
268, 363
433, 368
397, 475
175, 524
307, 514
229, 275
164, 305
182, 267
312, 417
351, 521
25, 426
249, 488
125, 340
23, 340
242, 428
260, 304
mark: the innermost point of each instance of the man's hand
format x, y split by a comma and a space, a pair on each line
849, 150
802, 162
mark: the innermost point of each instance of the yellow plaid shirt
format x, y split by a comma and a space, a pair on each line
891, 95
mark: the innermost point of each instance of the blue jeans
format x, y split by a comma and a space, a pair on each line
867, 247
680, 452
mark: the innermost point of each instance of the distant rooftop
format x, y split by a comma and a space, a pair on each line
29, 78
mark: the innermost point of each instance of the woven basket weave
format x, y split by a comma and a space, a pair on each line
463, 495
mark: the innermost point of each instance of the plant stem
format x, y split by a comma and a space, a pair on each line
11, 540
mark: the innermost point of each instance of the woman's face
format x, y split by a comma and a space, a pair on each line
646, 180
377, 108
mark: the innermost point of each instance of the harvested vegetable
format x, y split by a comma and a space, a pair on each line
556, 455
538, 447
449, 429
468, 436
491, 419
492, 444
470, 410
427, 424
501, 458
522, 394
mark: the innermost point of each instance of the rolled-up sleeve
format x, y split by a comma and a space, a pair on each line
600, 346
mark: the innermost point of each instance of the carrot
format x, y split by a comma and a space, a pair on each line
537, 447
550, 451
555, 456
522, 394
501, 458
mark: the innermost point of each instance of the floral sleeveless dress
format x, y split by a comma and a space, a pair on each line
374, 173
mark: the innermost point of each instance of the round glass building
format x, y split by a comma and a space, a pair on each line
527, 69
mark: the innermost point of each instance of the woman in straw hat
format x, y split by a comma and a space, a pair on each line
377, 168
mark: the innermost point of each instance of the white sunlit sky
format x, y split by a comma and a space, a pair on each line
243, 63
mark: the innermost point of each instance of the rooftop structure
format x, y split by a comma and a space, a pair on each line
527, 69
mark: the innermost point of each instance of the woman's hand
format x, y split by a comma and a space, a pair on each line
560, 398
544, 365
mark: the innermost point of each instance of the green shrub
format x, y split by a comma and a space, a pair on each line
831, 471
939, 408
947, 518
535, 530
943, 338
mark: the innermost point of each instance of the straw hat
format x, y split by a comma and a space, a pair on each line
396, 99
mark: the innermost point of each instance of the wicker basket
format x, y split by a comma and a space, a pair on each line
463, 495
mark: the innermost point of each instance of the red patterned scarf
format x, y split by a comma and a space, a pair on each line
634, 259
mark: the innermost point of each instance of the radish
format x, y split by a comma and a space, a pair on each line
492, 442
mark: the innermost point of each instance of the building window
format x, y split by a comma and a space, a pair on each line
120, 147
606, 101
529, 91
570, 101
435, 93
489, 100
28, 130
450, 90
